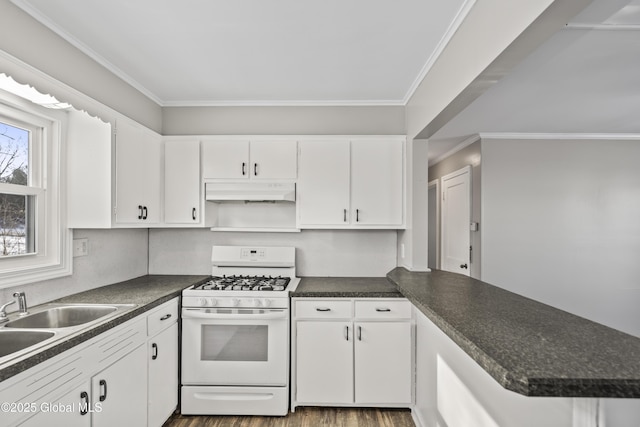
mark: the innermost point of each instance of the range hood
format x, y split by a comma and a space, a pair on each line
250, 192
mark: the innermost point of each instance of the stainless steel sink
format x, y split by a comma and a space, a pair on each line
14, 341
63, 317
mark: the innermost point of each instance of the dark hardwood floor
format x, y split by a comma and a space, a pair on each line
304, 417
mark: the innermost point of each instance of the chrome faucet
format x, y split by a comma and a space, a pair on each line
3, 313
22, 303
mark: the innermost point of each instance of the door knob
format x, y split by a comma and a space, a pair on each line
463, 266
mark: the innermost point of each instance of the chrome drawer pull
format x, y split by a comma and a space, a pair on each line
165, 317
323, 309
383, 310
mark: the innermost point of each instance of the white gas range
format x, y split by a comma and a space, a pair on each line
235, 334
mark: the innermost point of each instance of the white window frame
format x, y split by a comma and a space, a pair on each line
52, 257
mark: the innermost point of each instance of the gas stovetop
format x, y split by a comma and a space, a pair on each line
244, 283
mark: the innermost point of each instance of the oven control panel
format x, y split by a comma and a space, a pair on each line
239, 302
252, 253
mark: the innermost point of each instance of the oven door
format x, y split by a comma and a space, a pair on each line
235, 346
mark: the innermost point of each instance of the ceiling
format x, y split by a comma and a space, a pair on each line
585, 79
256, 52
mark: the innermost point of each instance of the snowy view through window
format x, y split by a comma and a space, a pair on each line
14, 208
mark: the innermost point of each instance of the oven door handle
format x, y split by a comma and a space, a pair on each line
199, 314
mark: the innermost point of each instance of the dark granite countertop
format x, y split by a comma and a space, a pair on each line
526, 346
346, 287
146, 292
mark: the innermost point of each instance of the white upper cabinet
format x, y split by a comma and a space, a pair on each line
273, 160
182, 188
376, 182
225, 159
244, 159
138, 174
114, 173
351, 184
323, 183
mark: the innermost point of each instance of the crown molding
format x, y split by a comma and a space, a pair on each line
567, 136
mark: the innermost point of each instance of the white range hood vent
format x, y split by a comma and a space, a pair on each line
250, 192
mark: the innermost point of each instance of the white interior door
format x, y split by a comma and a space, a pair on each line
456, 217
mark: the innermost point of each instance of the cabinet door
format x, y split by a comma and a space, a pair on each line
323, 183
273, 159
138, 153
182, 182
71, 410
225, 159
382, 362
324, 362
122, 391
376, 182
163, 375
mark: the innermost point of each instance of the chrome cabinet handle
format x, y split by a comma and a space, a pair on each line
465, 266
383, 310
144, 209
139, 211
244, 171
323, 309
357, 215
359, 333
166, 316
255, 169
193, 214
346, 333
345, 215
154, 348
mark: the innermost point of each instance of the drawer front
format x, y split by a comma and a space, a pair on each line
323, 309
162, 317
383, 309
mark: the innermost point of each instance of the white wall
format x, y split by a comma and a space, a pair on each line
114, 256
283, 120
318, 252
561, 225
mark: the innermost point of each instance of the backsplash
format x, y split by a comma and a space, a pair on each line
367, 253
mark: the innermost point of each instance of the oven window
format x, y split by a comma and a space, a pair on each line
242, 343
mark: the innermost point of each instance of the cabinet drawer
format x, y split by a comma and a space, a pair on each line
323, 309
383, 309
162, 317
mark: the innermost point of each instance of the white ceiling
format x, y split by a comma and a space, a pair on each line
585, 79
257, 52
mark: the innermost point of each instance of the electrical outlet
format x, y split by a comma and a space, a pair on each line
80, 247
401, 250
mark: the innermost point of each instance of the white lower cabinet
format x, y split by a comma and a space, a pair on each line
121, 392
162, 355
352, 352
324, 368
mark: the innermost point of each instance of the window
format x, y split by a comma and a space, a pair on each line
17, 192
34, 244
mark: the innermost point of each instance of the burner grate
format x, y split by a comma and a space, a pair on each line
245, 283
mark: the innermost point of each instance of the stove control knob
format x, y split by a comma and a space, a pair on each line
266, 302
213, 302
235, 302
202, 301
257, 302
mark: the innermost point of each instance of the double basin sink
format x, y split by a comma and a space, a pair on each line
48, 323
